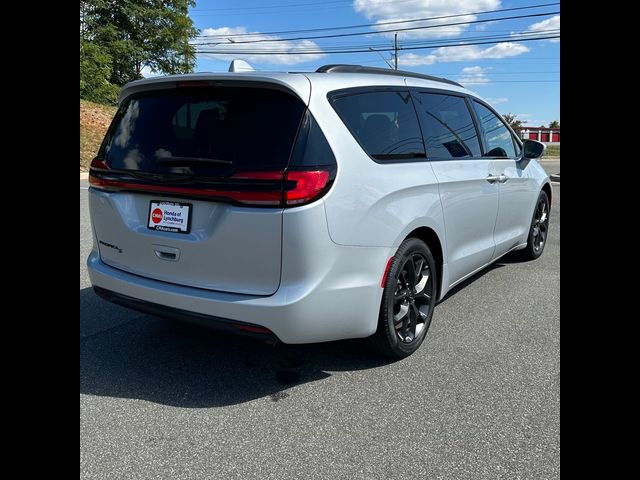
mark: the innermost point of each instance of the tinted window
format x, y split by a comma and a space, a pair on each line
447, 127
384, 123
253, 128
312, 148
499, 142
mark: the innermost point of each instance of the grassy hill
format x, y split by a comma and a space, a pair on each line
94, 121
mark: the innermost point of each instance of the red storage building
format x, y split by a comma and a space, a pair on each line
542, 134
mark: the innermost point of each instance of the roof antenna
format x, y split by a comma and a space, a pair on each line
240, 66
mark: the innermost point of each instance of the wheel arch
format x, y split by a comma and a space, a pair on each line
547, 189
431, 238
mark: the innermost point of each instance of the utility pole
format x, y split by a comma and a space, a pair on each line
395, 50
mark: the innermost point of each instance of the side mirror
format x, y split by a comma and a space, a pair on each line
533, 149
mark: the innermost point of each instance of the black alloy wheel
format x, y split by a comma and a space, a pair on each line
407, 301
539, 228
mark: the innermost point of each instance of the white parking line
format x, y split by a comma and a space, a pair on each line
84, 188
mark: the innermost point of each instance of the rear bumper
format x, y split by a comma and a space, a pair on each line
223, 324
327, 291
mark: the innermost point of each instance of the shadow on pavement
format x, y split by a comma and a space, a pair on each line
129, 355
508, 259
184, 365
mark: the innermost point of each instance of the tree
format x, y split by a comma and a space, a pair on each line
95, 70
515, 124
140, 33
554, 124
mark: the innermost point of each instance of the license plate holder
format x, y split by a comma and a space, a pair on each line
174, 217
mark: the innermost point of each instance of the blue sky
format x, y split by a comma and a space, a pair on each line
521, 77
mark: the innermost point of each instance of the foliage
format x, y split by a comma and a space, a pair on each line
554, 124
95, 69
129, 35
513, 122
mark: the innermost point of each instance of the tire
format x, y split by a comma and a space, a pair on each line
407, 304
539, 229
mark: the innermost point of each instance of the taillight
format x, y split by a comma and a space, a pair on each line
254, 188
96, 163
309, 185
100, 164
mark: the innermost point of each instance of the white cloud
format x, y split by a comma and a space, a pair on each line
475, 70
531, 122
480, 27
385, 11
148, 73
463, 53
226, 36
474, 76
548, 24
498, 100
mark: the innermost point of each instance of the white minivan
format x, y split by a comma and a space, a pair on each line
308, 207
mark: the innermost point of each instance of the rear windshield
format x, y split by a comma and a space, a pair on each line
177, 131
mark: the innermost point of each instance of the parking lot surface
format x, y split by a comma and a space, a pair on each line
479, 400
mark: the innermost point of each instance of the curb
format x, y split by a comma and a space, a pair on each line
555, 178
84, 175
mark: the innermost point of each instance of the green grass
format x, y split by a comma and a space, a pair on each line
552, 151
94, 121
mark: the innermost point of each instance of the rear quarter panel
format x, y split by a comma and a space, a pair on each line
373, 204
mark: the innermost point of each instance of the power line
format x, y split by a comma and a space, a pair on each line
513, 35
354, 34
321, 52
382, 45
365, 25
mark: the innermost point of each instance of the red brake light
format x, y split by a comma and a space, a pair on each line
96, 163
194, 83
309, 184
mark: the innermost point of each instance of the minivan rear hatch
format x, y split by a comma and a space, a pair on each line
188, 185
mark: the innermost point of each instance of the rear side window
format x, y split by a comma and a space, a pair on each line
177, 131
497, 137
312, 149
384, 123
447, 127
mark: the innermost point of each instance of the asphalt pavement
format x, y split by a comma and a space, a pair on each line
552, 167
478, 400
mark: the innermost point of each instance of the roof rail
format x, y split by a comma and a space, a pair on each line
346, 68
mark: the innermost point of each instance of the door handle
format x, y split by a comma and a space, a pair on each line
503, 178
493, 178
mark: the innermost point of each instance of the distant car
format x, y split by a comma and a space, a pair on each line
308, 207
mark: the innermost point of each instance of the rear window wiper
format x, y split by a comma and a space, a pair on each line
168, 161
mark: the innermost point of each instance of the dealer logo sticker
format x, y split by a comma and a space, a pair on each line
169, 216
156, 215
